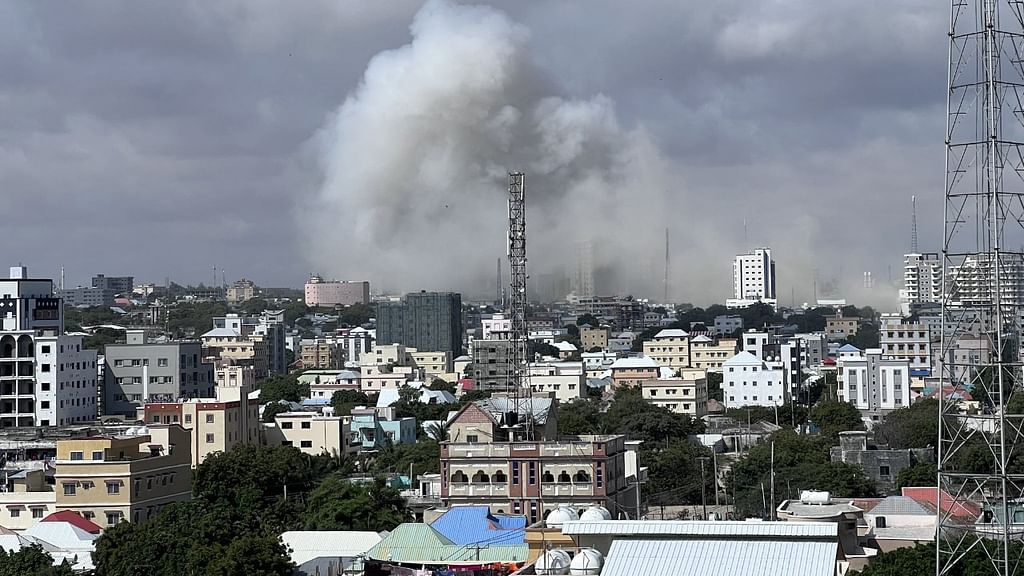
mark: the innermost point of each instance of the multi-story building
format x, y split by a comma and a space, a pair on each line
431, 364
423, 320
591, 338
962, 358
566, 381
497, 327
753, 279
140, 371
973, 281
708, 354
87, 296
922, 280
29, 304
376, 428
109, 479
311, 432
841, 327
270, 327
319, 354
726, 325
481, 465
908, 341
234, 342
784, 353
119, 284
355, 342
490, 363
320, 292
874, 384
634, 371
241, 291
669, 348
750, 381
687, 394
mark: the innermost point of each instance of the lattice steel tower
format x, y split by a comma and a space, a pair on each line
981, 468
518, 385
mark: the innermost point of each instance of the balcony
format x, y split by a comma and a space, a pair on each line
470, 490
564, 449
464, 450
567, 490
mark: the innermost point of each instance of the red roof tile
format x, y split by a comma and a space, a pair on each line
930, 497
75, 519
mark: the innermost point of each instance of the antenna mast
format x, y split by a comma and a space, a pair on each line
913, 224
982, 286
666, 266
518, 372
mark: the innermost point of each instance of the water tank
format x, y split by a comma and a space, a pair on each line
587, 562
596, 514
815, 497
553, 562
560, 516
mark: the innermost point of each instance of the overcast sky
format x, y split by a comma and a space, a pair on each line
163, 138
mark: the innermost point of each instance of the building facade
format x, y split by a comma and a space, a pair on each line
922, 280
750, 381
566, 381
240, 291
874, 384
633, 372
669, 348
592, 338
138, 371
312, 432
320, 292
490, 364
687, 394
908, 341
87, 296
423, 320
119, 284
754, 277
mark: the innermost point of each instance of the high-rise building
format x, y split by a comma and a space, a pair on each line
423, 320
754, 278
29, 304
320, 292
583, 279
922, 280
119, 284
139, 371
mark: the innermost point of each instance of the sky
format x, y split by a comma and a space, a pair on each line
371, 140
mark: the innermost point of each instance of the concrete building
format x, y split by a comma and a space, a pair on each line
234, 342
87, 296
669, 348
497, 327
139, 371
874, 384
319, 354
377, 428
634, 371
490, 364
423, 320
110, 479
270, 327
311, 432
320, 292
565, 381
880, 463
726, 325
687, 394
481, 465
119, 284
709, 355
750, 381
908, 341
754, 277
215, 424
241, 291
841, 327
29, 304
45, 379
591, 338
922, 280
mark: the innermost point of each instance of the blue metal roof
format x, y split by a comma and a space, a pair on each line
849, 348
472, 524
921, 372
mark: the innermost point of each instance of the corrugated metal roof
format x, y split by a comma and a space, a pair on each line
729, 529
722, 557
420, 544
307, 545
471, 524
900, 506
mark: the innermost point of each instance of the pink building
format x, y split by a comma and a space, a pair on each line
333, 293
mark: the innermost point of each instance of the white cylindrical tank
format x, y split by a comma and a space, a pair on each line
587, 562
596, 514
560, 516
553, 562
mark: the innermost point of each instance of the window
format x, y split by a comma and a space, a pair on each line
209, 418
113, 517
45, 349
15, 512
38, 512
77, 456
45, 367
97, 454
472, 438
533, 472
69, 489
113, 488
305, 425
883, 471
515, 472
209, 438
286, 425
188, 418
161, 362
879, 521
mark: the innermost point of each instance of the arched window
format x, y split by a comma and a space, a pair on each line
581, 477
481, 477
563, 478
548, 477
7, 347
500, 477
459, 477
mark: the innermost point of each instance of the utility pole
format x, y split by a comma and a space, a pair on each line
772, 478
714, 467
703, 486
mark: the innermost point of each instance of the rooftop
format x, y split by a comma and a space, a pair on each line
472, 524
671, 333
694, 528
634, 362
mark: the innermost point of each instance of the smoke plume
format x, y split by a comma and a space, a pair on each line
415, 161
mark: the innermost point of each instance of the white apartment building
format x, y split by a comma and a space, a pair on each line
687, 394
497, 327
750, 381
874, 384
320, 292
754, 278
565, 380
922, 280
312, 432
29, 304
906, 341
670, 348
973, 280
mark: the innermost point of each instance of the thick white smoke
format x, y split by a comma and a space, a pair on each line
415, 161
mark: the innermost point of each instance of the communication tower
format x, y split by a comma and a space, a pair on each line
518, 384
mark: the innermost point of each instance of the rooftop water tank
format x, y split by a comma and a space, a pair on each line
587, 562
596, 514
560, 516
553, 562
815, 497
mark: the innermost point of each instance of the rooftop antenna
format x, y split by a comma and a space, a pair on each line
61, 277
518, 373
667, 264
499, 295
913, 224
746, 243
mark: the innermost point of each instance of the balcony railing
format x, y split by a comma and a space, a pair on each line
567, 490
468, 489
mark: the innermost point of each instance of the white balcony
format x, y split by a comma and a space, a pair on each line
567, 490
463, 450
468, 490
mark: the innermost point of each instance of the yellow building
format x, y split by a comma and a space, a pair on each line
109, 479
591, 338
26, 499
669, 348
311, 432
685, 395
709, 355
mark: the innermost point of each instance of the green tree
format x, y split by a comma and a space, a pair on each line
588, 320
916, 426
439, 384
273, 409
835, 416
917, 475
338, 504
581, 416
343, 401
674, 474
253, 306
282, 387
424, 457
262, 555
100, 337
356, 314
31, 560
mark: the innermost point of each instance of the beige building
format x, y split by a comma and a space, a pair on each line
312, 432
591, 338
320, 355
241, 291
224, 346
687, 394
709, 355
235, 377
669, 348
26, 499
634, 371
214, 424
432, 364
566, 381
114, 478
841, 327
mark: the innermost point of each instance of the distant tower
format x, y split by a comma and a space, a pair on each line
981, 288
667, 264
518, 384
499, 296
913, 225
584, 277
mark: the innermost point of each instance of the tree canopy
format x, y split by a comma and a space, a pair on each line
338, 504
834, 416
282, 387
31, 561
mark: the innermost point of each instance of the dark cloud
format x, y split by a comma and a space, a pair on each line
163, 138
